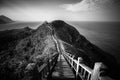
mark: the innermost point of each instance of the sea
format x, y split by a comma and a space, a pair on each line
19, 24
105, 35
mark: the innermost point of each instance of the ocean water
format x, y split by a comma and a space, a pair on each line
105, 35
17, 25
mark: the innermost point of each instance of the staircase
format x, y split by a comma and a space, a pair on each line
62, 70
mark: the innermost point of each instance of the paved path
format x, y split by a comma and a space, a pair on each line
62, 70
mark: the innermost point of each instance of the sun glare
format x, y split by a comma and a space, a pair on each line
40, 15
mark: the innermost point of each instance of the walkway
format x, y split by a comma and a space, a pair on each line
62, 70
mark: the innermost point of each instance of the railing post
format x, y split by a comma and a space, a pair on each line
72, 60
96, 71
78, 62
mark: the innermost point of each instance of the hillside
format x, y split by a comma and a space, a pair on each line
79, 46
26, 47
4, 19
29, 48
8, 37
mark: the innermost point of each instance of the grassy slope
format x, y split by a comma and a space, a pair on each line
28, 52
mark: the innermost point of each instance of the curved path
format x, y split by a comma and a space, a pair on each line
62, 70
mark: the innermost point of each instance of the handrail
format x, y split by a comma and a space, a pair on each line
45, 69
83, 71
80, 64
86, 68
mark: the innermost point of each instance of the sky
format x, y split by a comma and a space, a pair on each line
69, 10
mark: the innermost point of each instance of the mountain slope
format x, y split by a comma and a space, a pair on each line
4, 19
85, 49
30, 50
8, 37
33, 48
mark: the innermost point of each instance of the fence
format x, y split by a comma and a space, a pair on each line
83, 71
46, 68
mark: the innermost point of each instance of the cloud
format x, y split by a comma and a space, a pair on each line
86, 5
81, 6
99, 9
